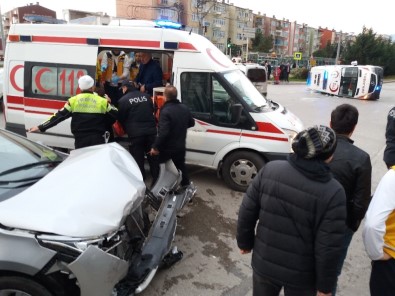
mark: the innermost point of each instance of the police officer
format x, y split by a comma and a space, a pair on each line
136, 114
115, 67
90, 115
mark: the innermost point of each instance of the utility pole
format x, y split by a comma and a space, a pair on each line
338, 48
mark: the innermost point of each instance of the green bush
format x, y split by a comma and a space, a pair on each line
299, 73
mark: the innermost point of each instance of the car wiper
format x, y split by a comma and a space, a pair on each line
30, 165
33, 179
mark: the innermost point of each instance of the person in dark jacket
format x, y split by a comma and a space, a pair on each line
136, 114
293, 219
150, 74
389, 152
91, 116
174, 121
350, 166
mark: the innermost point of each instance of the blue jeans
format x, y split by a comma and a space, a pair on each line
346, 243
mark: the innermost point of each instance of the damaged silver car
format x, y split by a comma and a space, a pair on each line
83, 224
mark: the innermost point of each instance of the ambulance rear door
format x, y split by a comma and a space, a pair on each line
50, 77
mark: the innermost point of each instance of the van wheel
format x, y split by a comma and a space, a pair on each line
240, 168
22, 286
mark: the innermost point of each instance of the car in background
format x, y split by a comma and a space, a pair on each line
257, 74
75, 225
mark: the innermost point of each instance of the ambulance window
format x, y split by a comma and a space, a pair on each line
53, 81
195, 91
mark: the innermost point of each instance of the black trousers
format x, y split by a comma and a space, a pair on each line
82, 141
264, 287
382, 278
139, 146
178, 158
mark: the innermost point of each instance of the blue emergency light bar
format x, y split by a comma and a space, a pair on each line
168, 24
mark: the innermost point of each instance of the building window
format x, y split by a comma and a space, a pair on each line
195, 17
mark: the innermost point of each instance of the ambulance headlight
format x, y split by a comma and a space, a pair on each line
291, 134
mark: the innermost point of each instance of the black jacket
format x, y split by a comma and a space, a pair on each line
174, 120
352, 168
90, 115
301, 210
136, 114
389, 152
150, 75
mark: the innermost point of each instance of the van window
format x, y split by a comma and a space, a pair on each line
195, 91
209, 100
55, 81
256, 75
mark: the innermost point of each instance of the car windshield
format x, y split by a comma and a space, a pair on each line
246, 90
23, 160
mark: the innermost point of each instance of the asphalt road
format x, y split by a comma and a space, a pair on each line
212, 264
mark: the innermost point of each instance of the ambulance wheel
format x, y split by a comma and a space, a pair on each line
240, 168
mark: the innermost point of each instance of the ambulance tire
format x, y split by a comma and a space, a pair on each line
240, 168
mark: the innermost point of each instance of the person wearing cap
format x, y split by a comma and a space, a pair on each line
389, 152
351, 166
292, 218
150, 74
115, 67
136, 114
90, 115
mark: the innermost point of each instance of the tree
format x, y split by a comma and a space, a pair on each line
261, 42
202, 8
371, 49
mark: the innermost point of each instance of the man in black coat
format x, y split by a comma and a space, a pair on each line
350, 166
174, 121
293, 218
136, 114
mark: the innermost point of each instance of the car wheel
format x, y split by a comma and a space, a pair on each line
240, 168
22, 286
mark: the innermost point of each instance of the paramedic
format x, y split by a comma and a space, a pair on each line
174, 121
90, 115
115, 67
150, 74
136, 114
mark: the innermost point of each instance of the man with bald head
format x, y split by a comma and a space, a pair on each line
150, 74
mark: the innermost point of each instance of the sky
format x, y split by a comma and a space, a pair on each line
348, 16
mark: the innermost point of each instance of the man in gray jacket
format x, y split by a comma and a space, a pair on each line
293, 219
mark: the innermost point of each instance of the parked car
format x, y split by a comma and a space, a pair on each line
77, 224
257, 74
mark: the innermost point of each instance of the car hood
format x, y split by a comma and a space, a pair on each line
87, 195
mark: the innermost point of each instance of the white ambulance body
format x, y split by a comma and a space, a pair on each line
236, 132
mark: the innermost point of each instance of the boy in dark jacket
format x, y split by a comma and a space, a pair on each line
350, 166
293, 218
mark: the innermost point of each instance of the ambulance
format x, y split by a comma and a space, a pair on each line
236, 129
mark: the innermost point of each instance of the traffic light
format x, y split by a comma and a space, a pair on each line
229, 43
